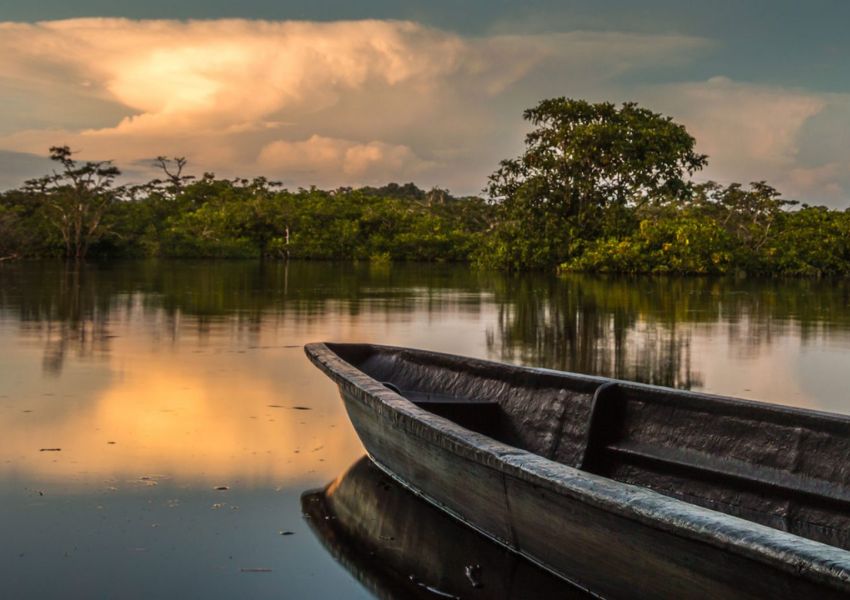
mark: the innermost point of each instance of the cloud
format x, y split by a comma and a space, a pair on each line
759, 132
367, 162
16, 167
366, 102
306, 102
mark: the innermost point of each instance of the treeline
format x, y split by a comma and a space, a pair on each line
719, 230
78, 212
601, 188
598, 188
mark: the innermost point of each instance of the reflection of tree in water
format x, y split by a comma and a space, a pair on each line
63, 305
591, 326
70, 309
641, 328
633, 328
755, 313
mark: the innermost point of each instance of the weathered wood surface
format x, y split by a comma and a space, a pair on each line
401, 547
617, 539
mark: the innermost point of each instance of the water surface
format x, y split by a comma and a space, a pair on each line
159, 421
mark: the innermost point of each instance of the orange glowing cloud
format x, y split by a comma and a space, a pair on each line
326, 103
351, 158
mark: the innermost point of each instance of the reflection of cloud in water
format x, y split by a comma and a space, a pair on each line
196, 417
768, 377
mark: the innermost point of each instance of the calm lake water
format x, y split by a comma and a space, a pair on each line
159, 422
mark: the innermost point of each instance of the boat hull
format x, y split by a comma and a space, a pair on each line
613, 539
400, 547
596, 550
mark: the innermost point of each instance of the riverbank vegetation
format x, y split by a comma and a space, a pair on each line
79, 212
598, 188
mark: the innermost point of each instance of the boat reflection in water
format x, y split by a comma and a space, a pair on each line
399, 546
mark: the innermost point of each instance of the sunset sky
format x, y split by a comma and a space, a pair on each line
341, 93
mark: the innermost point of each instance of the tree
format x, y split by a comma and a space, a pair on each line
174, 180
77, 199
10, 233
748, 215
261, 215
584, 161
812, 241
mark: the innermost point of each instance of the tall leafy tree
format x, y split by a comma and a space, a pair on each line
583, 163
77, 198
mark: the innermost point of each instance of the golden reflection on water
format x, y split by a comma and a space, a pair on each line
205, 415
193, 371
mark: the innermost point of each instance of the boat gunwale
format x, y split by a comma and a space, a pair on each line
788, 552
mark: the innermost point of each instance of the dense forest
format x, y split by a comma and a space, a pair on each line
79, 213
598, 188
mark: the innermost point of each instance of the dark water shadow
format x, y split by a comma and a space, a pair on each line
399, 546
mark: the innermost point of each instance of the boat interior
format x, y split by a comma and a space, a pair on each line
784, 468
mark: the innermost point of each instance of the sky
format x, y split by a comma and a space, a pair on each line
355, 93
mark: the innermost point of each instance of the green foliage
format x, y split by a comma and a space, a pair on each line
813, 241
599, 188
727, 230
24, 227
180, 216
583, 162
676, 244
76, 199
748, 216
606, 189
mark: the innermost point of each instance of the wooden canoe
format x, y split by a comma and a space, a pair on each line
401, 547
625, 489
